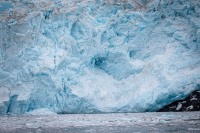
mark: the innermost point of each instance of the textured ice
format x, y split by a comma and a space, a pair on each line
4, 6
184, 122
95, 56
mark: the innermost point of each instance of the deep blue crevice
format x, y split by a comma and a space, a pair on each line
13, 100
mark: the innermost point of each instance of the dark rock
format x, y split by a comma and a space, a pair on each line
190, 103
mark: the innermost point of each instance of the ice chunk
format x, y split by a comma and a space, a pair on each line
179, 106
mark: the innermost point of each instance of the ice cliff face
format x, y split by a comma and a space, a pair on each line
94, 56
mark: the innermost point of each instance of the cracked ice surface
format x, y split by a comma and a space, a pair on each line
184, 122
95, 56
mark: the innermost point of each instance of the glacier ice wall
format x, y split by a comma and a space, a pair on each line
90, 56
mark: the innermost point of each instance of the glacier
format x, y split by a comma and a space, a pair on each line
97, 56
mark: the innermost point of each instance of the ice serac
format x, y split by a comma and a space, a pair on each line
95, 56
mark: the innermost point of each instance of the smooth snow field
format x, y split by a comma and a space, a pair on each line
184, 122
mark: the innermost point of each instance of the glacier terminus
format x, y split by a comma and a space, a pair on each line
97, 56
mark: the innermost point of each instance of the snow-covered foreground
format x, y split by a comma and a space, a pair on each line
115, 123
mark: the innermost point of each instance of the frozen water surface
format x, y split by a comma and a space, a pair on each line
94, 56
184, 122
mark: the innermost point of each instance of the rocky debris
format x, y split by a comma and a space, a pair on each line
190, 103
